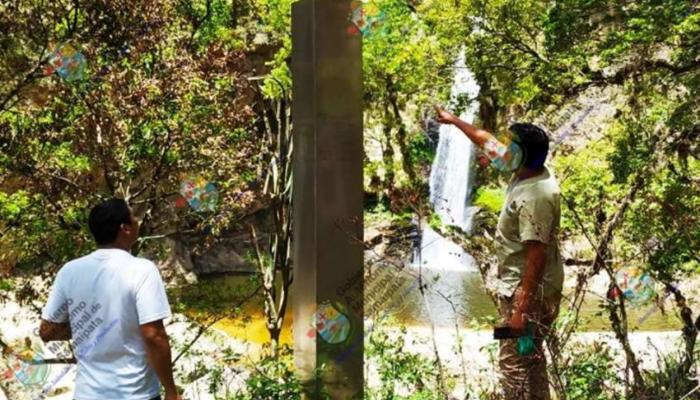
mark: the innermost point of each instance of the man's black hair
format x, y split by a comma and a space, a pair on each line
106, 218
534, 142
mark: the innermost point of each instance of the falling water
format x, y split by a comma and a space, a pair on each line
451, 183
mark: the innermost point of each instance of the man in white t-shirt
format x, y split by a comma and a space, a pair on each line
112, 306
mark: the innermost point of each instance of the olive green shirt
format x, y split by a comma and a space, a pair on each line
531, 212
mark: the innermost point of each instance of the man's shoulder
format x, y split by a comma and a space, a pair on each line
546, 188
136, 270
75, 263
145, 262
141, 266
538, 191
126, 262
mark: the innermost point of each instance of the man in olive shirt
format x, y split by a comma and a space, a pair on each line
530, 266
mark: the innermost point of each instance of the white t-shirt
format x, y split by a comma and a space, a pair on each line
105, 296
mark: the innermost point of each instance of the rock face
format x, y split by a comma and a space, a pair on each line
583, 120
224, 256
190, 257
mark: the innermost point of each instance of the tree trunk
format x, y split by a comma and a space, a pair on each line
388, 152
275, 264
401, 134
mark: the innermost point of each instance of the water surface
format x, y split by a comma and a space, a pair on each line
469, 306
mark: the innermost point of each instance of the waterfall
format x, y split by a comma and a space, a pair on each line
451, 183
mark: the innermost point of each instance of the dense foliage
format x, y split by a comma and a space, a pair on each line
534, 58
166, 95
174, 89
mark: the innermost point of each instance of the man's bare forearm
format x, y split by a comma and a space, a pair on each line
160, 358
476, 135
51, 331
535, 258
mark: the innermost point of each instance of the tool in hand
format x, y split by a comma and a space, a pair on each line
526, 341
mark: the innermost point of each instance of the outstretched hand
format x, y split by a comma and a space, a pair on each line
443, 116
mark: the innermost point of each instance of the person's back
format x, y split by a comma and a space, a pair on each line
114, 304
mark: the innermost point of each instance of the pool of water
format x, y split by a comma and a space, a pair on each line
459, 297
451, 297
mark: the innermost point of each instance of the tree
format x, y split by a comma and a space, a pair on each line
156, 105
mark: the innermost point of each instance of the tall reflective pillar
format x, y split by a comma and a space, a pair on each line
328, 199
